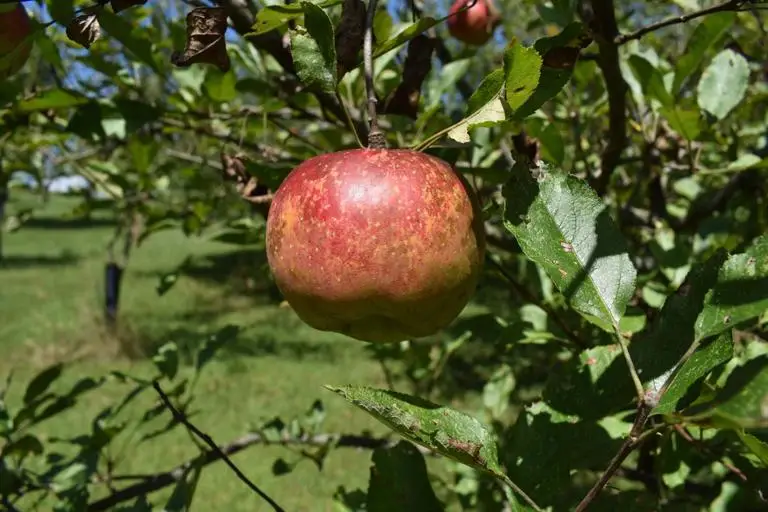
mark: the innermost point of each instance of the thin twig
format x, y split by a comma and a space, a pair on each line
601, 16
705, 449
154, 482
730, 5
212, 444
375, 137
634, 440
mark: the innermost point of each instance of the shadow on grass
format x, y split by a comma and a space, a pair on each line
64, 258
241, 271
68, 223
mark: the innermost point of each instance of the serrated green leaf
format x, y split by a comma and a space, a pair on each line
562, 225
522, 69
275, 16
483, 107
699, 365
723, 84
399, 481
707, 34
447, 431
134, 39
741, 291
52, 99
42, 381
314, 50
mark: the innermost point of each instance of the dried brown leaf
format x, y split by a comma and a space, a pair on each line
84, 30
121, 5
405, 99
233, 169
205, 39
349, 36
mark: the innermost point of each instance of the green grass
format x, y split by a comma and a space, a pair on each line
50, 310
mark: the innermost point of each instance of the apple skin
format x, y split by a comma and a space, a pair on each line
475, 25
382, 245
14, 29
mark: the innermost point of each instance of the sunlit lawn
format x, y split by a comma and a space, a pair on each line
50, 306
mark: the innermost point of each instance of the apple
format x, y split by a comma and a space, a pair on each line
475, 25
14, 29
381, 245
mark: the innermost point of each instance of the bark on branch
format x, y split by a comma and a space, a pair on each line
600, 15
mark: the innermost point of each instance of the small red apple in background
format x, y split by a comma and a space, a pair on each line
475, 25
381, 245
14, 29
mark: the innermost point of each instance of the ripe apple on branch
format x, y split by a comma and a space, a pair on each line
473, 21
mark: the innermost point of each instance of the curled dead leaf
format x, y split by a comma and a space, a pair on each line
405, 99
205, 39
349, 35
84, 30
234, 169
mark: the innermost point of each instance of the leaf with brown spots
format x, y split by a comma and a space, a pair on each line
205, 39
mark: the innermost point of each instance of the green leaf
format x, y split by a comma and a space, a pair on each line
755, 445
659, 352
686, 122
167, 360
549, 136
134, 39
483, 107
275, 16
650, 80
314, 50
52, 99
498, 389
61, 11
220, 87
562, 225
592, 385
86, 122
402, 37
399, 481
553, 78
743, 401
723, 84
706, 35
137, 114
699, 365
42, 381
447, 431
741, 292
181, 498
74, 475
522, 69
545, 449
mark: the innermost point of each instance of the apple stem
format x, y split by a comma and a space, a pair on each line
376, 139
